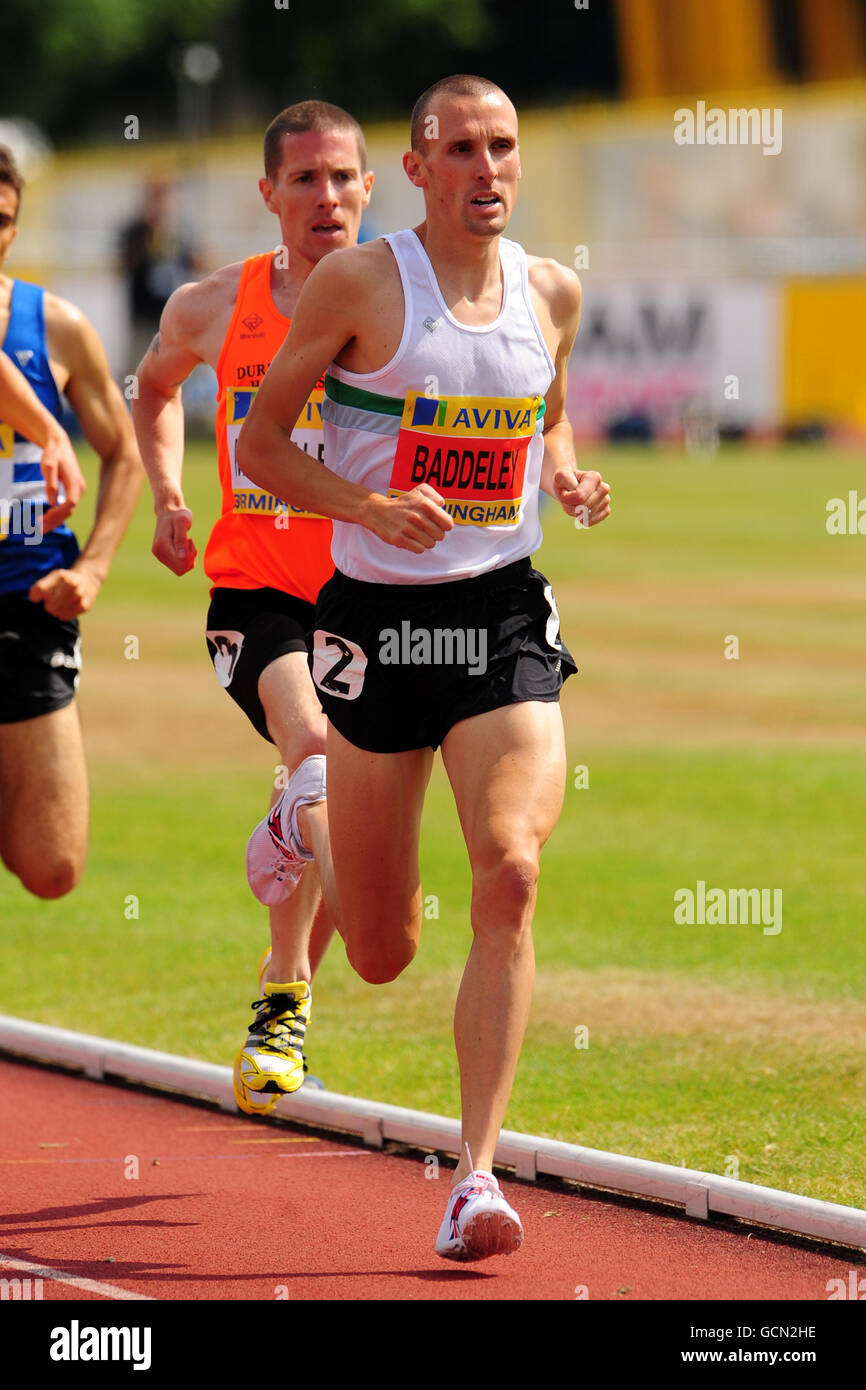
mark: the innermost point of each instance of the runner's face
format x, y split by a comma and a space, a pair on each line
8, 213
319, 193
471, 171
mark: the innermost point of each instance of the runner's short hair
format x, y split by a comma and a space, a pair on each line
303, 117
10, 173
460, 84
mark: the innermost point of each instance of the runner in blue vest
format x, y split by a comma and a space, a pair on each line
46, 581
24, 414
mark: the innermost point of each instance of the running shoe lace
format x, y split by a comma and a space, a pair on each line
270, 1021
482, 1181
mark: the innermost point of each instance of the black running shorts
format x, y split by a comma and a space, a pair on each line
40, 661
397, 665
247, 629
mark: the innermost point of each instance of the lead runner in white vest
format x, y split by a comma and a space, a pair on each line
446, 351
493, 379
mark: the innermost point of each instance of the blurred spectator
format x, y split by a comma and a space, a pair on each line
155, 259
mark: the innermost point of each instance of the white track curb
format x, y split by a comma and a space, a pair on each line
699, 1193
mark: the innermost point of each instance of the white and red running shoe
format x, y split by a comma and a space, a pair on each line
478, 1221
276, 854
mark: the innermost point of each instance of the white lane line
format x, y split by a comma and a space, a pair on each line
344, 1153
76, 1280
201, 1158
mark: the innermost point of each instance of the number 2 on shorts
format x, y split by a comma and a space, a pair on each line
339, 666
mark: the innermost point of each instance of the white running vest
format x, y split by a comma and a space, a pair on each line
458, 407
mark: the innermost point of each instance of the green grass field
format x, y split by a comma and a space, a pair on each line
717, 1047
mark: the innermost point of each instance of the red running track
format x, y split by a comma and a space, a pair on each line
229, 1208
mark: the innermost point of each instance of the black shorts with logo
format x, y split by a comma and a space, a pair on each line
397, 665
247, 629
40, 660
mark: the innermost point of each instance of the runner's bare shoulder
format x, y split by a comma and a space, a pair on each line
74, 347
201, 310
64, 321
359, 270
557, 285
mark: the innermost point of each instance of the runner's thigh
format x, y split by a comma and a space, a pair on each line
43, 793
507, 771
374, 818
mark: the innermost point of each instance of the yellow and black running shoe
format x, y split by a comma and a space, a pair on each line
271, 1062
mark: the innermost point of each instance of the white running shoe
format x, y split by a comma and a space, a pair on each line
276, 854
478, 1221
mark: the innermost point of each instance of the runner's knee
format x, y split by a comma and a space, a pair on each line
378, 964
296, 737
503, 891
302, 743
52, 878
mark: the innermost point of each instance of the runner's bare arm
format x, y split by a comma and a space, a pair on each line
157, 414
21, 408
582, 494
107, 427
336, 303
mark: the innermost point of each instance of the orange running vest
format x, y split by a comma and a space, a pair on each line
258, 541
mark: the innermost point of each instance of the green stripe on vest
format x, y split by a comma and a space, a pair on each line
344, 394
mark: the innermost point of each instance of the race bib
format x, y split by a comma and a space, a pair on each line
307, 434
471, 449
7, 441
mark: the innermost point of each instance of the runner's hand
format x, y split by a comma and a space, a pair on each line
172, 546
584, 495
66, 593
59, 464
415, 521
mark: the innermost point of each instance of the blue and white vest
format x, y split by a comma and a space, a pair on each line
25, 554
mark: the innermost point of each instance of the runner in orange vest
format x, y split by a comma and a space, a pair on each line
266, 561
